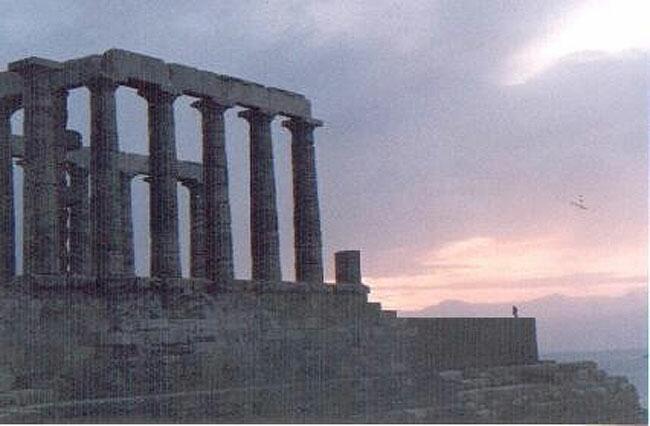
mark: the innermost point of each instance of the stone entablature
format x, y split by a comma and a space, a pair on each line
135, 70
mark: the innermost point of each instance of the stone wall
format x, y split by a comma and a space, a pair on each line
257, 351
454, 343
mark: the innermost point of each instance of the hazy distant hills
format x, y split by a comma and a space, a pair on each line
567, 323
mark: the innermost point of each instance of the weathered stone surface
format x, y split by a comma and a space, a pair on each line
11, 85
163, 207
135, 69
265, 241
41, 233
565, 393
127, 223
108, 258
348, 266
80, 228
218, 238
7, 216
198, 246
187, 355
306, 211
60, 121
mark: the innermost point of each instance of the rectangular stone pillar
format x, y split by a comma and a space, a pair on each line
198, 254
127, 223
41, 251
163, 209
265, 242
107, 256
306, 212
218, 237
80, 240
348, 266
7, 215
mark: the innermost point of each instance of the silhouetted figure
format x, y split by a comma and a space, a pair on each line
515, 312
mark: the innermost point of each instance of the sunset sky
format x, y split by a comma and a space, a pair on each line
457, 132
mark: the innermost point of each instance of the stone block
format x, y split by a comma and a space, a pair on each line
288, 103
78, 72
199, 83
348, 266
34, 63
11, 84
135, 70
248, 94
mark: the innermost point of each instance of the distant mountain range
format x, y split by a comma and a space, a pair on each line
567, 323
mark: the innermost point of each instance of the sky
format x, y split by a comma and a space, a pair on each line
456, 133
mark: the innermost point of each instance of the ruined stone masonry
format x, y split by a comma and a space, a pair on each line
85, 339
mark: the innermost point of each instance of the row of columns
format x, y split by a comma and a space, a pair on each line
65, 231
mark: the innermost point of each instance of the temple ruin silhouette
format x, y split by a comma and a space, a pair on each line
83, 337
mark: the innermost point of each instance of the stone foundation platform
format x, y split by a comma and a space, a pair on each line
191, 351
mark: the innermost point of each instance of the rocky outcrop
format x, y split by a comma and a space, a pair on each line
547, 392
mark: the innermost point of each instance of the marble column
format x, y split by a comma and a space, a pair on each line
60, 121
107, 256
198, 253
265, 243
306, 212
7, 216
127, 223
163, 209
218, 237
41, 249
80, 237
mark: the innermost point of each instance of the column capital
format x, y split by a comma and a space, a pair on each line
74, 168
125, 174
301, 123
101, 84
191, 184
60, 93
10, 104
257, 114
211, 105
155, 94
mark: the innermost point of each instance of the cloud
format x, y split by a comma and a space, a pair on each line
603, 26
484, 269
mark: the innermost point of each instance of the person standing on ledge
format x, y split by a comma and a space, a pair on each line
515, 312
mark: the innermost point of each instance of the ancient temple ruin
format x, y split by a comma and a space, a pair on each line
83, 338
70, 231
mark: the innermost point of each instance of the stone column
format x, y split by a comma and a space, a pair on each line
80, 237
165, 255
60, 119
306, 212
218, 237
265, 244
41, 250
107, 254
127, 223
198, 254
7, 215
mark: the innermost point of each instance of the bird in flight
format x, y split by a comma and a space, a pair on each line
579, 202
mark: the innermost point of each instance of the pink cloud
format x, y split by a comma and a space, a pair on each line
486, 269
